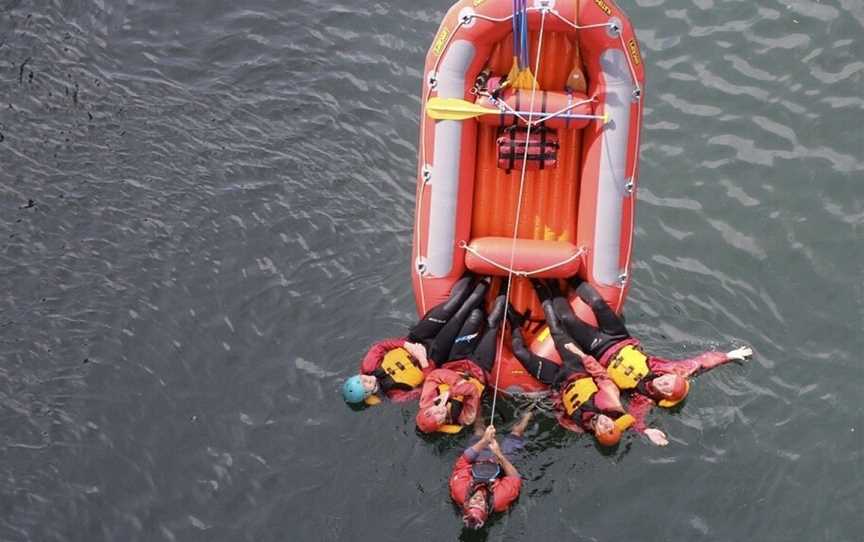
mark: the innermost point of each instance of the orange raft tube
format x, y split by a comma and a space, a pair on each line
575, 135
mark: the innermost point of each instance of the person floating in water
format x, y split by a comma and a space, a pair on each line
395, 368
584, 397
451, 395
649, 379
484, 479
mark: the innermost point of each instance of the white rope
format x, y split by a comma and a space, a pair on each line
491, 19
506, 107
518, 211
575, 26
568, 108
530, 124
518, 273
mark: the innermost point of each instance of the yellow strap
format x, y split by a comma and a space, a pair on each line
624, 422
543, 335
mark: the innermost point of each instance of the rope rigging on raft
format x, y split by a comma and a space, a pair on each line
495, 99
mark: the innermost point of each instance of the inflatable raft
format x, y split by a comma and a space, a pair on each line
528, 155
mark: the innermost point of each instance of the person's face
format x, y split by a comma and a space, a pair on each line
664, 384
478, 500
438, 413
370, 383
603, 424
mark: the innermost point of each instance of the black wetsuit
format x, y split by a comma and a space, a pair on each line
476, 346
593, 340
439, 328
545, 370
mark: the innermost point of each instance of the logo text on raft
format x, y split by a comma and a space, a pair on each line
603, 6
440, 41
634, 51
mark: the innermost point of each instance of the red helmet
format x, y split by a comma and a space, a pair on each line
680, 389
609, 438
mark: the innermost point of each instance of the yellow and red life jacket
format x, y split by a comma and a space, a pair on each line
628, 367
577, 393
399, 365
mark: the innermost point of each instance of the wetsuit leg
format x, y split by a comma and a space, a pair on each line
549, 294
439, 349
539, 367
608, 321
432, 322
469, 335
484, 354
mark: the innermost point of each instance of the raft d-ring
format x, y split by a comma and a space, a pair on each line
432, 80
628, 186
544, 5
466, 17
623, 277
613, 30
426, 173
420, 265
637, 94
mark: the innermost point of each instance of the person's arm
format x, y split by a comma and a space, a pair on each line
593, 367
506, 491
639, 406
470, 454
506, 465
418, 351
470, 403
608, 396
429, 395
373, 357
702, 362
464, 388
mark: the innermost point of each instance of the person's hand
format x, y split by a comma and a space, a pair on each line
418, 351
656, 436
741, 353
489, 434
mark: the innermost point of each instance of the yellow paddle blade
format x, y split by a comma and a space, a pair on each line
455, 109
521, 78
525, 80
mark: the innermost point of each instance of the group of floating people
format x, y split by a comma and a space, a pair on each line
605, 384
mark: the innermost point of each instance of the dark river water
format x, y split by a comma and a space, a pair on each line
205, 219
